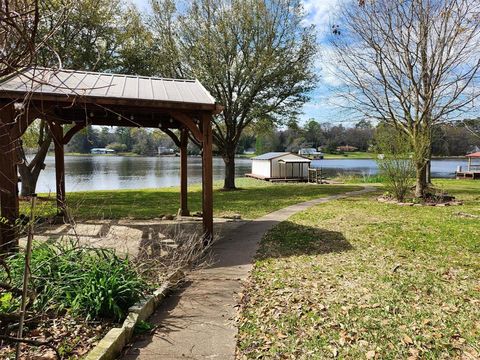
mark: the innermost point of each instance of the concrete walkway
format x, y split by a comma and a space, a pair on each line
198, 320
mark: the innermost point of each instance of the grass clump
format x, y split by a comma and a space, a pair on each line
94, 283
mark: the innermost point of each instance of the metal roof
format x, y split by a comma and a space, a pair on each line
270, 155
292, 161
474, 155
274, 155
104, 85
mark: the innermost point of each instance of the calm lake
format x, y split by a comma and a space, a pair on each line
117, 172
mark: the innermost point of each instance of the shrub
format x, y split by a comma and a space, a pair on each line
95, 283
395, 161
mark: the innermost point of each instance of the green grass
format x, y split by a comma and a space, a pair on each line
351, 155
356, 278
254, 199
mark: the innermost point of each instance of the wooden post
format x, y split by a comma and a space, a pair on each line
8, 183
183, 211
207, 176
57, 134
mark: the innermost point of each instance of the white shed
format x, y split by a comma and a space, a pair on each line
280, 165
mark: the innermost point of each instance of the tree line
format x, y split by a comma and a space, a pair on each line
139, 141
449, 139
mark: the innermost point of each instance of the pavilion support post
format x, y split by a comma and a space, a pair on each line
57, 134
183, 211
8, 184
207, 177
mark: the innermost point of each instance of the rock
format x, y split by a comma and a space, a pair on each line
404, 204
168, 217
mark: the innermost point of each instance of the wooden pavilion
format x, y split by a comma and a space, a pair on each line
70, 100
473, 169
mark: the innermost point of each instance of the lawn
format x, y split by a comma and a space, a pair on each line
351, 155
356, 278
254, 199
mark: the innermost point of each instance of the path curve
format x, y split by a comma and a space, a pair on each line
198, 320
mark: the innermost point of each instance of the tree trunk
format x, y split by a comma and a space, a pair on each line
229, 160
421, 178
29, 173
29, 180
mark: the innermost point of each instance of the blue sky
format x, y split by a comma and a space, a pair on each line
320, 13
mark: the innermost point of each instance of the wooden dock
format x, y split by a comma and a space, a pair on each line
259, 177
472, 175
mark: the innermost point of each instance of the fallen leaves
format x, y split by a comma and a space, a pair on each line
407, 340
72, 337
359, 303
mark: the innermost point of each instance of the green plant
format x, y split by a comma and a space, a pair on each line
95, 283
395, 161
8, 303
143, 326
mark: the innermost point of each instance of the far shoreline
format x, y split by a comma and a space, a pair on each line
365, 156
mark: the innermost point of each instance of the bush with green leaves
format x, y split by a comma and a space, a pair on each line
395, 161
95, 283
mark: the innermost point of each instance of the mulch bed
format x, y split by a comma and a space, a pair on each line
429, 201
71, 337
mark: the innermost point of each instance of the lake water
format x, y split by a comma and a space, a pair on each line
116, 172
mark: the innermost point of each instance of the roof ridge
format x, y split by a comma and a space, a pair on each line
104, 73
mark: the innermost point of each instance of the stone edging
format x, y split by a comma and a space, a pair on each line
112, 344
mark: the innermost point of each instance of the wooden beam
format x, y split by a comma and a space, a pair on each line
59, 141
183, 211
207, 176
72, 131
188, 122
172, 135
8, 182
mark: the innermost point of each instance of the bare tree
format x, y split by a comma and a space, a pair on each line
19, 21
21, 40
472, 125
412, 64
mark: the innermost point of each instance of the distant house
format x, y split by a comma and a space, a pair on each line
162, 150
280, 165
102, 151
310, 152
347, 148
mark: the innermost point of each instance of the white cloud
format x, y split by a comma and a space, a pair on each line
322, 13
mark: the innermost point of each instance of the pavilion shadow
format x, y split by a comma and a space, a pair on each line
281, 239
292, 239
